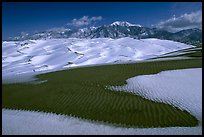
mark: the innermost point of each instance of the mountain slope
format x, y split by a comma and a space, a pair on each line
118, 30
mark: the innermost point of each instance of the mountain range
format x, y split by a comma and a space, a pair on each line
117, 30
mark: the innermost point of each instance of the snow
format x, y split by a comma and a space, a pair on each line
124, 23
55, 54
177, 53
181, 88
22, 60
20, 122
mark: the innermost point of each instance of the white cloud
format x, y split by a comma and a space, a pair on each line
23, 34
84, 21
185, 21
58, 29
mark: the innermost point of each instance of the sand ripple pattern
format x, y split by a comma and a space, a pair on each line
180, 88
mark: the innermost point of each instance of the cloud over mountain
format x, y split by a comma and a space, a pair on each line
185, 21
84, 21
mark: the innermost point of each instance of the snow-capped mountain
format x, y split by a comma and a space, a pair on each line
124, 23
118, 29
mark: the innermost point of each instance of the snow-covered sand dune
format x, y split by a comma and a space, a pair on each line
16, 122
181, 88
40, 56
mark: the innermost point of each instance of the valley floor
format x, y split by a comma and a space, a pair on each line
159, 83
189, 97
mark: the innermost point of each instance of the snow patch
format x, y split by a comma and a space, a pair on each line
18, 122
181, 88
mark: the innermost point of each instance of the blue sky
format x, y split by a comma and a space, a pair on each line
29, 17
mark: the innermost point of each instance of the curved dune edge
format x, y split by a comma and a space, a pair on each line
181, 88
21, 122
30, 122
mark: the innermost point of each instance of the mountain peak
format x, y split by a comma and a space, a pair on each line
124, 23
